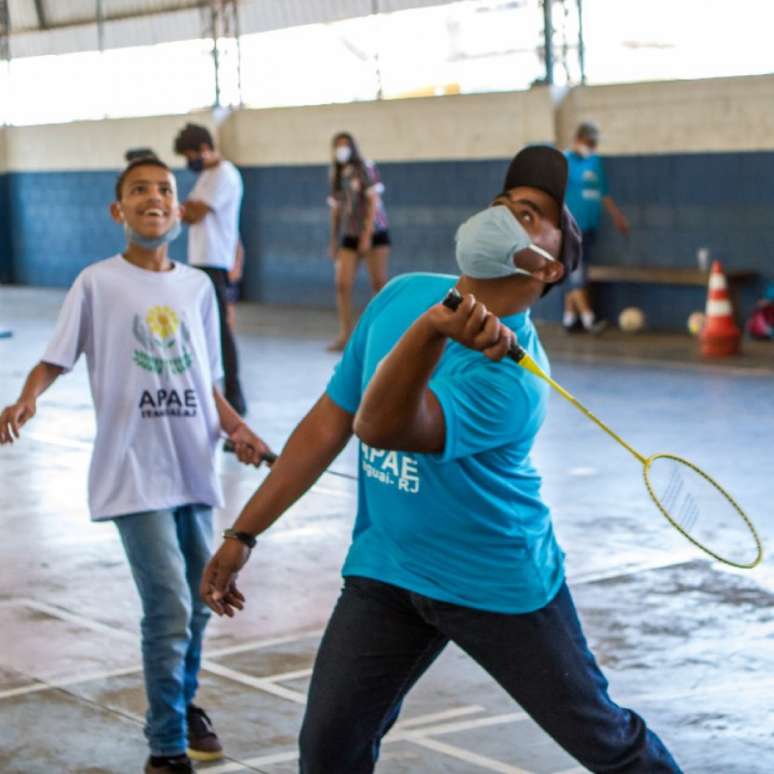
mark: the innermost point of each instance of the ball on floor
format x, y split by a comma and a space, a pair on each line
695, 323
631, 319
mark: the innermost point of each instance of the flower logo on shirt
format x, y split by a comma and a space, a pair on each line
163, 352
163, 321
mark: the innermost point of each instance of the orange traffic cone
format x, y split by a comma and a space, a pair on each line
719, 337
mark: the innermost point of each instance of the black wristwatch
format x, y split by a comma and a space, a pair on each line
242, 537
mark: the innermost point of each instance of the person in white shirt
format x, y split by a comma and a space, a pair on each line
212, 211
148, 327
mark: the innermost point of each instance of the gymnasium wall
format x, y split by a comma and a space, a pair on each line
689, 162
439, 159
59, 182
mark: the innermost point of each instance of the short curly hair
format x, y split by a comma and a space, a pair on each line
142, 161
191, 137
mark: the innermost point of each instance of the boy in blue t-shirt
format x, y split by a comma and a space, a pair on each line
587, 193
452, 541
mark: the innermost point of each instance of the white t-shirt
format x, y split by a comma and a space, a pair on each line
213, 241
152, 347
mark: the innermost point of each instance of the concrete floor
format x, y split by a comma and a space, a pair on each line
684, 641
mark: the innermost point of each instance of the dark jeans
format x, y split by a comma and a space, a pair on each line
231, 387
380, 639
580, 277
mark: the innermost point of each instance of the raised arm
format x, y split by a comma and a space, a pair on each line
13, 417
398, 410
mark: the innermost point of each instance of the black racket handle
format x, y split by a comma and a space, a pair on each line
454, 299
269, 458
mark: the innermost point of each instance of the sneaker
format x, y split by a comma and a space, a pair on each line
203, 742
178, 764
597, 327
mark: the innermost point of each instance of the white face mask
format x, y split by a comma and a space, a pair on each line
583, 150
343, 154
488, 244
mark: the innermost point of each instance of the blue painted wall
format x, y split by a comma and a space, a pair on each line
6, 253
286, 223
60, 224
676, 203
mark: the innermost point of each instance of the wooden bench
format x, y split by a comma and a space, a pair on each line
669, 275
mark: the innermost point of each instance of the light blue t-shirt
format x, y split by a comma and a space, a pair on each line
586, 187
467, 525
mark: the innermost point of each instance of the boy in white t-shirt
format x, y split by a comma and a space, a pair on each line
212, 212
150, 331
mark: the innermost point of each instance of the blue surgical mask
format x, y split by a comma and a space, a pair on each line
152, 243
196, 165
488, 241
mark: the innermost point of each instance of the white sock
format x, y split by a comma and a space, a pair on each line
587, 318
569, 319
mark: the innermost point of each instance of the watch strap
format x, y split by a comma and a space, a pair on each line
242, 537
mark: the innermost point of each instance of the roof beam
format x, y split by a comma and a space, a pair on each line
40, 12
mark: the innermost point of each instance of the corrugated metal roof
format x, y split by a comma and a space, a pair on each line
40, 27
31, 15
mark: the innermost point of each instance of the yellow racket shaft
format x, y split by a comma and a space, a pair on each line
520, 356
527, 362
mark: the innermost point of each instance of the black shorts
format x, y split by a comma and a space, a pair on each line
378, 239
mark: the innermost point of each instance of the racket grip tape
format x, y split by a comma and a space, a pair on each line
454, 299
269, 457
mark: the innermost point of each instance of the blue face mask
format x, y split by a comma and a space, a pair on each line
152, 243
196, 165
488, 241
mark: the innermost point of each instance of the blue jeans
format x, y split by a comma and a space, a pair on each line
168, 551
380, 639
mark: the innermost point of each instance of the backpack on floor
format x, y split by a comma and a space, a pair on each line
761, 322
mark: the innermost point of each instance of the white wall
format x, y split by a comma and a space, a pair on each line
726, 114
84, 145
455, 127
719, 114
3, 160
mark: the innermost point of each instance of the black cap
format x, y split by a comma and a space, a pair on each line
541, 167
545, 168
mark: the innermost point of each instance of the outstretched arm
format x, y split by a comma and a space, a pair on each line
313, 445
40, 378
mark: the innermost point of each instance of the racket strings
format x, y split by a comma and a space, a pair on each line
702, 510
678, 501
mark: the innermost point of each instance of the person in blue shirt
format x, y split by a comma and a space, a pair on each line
587, 193
452, 540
